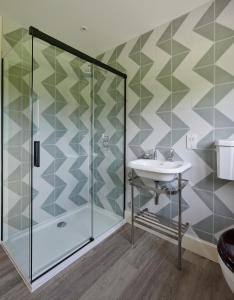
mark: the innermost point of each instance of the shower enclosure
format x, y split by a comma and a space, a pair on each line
63, 178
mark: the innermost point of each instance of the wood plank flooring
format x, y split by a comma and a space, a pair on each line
113, 270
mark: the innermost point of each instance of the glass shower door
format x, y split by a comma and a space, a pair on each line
62, 211
16, 150
63, 151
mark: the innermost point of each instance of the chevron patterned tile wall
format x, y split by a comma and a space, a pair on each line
181, 80
108, 163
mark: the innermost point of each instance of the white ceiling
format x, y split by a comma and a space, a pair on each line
109, 22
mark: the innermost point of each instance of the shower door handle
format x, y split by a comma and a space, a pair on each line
37, 154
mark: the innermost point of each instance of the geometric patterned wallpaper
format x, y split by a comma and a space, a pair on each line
181, 80
62, 107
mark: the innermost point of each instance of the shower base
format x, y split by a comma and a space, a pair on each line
52, 243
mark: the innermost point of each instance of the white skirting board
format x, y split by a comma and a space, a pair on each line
194, 244
200, 247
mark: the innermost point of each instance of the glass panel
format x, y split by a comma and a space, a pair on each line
78, 119
17, 149
61, 114
108, 150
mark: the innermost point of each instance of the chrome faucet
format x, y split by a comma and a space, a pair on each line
151, 154
146, 155
170, 156
155, 154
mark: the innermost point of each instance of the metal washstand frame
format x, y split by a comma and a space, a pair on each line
152, 222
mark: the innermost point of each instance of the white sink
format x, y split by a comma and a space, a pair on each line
157, 169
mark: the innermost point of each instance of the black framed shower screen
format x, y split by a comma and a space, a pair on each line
37, 34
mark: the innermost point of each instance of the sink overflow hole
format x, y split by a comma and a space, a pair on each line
61, 224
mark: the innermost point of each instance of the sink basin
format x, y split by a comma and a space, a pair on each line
158, 170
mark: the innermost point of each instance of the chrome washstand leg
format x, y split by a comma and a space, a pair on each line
132, 206
179, 223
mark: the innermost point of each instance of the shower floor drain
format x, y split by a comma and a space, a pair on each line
61, 224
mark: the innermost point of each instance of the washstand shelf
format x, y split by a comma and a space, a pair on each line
155, 223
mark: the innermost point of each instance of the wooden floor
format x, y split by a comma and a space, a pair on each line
113, 270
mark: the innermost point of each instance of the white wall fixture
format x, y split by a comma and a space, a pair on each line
191, 141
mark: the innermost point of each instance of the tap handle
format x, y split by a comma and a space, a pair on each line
147, 155
171, 154
155, 153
